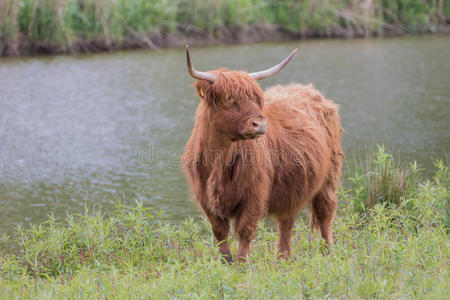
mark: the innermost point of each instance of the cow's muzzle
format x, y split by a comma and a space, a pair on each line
259, 127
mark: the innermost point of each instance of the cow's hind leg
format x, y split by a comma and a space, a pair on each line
323, 211
284, 233
220, 228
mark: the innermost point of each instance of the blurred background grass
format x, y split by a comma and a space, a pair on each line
60, 26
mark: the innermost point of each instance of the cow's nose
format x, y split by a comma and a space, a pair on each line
260, 127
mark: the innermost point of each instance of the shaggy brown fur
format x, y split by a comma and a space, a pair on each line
236, 175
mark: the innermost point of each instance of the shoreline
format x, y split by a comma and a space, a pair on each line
391, 222
24, 47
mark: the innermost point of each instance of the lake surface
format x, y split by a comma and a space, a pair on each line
94, 129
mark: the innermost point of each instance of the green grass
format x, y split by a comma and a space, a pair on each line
391, 241
35, 26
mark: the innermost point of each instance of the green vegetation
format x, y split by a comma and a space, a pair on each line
59, 26
391, 241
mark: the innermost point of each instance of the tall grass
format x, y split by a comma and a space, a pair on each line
30, 26
381, 179
396, 246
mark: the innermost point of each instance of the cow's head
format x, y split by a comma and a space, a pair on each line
234, 100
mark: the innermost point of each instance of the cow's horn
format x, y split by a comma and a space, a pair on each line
274, 69
197, 74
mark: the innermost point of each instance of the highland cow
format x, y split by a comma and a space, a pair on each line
253, 153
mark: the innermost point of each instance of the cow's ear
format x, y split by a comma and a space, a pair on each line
203, 89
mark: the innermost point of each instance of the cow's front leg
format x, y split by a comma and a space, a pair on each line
245, 226
220, 228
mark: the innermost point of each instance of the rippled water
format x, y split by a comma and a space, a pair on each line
93, 129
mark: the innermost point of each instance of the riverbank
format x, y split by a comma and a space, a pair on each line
391, 241
31, 27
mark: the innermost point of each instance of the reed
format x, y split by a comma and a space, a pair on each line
71, 26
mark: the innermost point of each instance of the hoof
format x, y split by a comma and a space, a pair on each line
241, 259
227, 259
284, 254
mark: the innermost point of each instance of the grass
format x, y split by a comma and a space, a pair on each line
71, 26
391, 241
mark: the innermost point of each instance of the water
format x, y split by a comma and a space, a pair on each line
94, 129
